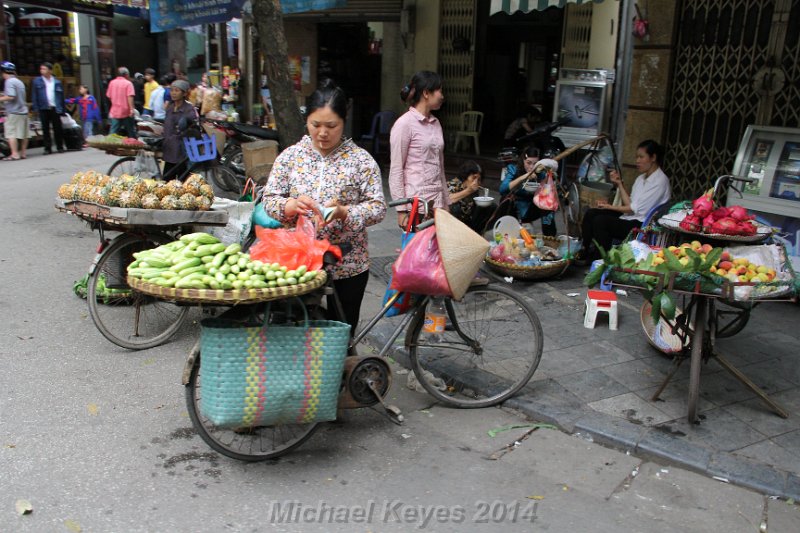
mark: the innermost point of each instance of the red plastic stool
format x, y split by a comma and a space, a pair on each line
600, 301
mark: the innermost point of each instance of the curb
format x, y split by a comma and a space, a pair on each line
638, 440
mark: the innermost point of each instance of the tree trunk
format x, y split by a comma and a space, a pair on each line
272, 43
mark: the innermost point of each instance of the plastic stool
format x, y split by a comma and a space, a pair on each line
600, 301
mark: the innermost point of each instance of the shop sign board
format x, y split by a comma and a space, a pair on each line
299, 6
171, 14
86, 7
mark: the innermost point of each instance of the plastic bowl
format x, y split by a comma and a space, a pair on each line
530, 186
483, 201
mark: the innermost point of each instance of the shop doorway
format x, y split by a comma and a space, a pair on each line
348, 55
517, 62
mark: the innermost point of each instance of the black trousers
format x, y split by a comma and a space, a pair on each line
603, 226
50, 117
351, 293
534, 213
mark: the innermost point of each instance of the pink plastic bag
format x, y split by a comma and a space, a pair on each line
547, 197
419, 267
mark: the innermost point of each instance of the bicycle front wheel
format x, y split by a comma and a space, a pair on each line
246, 443
489, 350
126, 165
128, 318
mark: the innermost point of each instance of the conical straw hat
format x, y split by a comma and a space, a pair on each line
462, 251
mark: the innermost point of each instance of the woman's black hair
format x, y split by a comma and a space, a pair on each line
88, 90
424, 80
531, 151
467, 169
653, 149
330, 95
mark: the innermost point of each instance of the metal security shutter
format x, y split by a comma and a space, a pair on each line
577, 35
725, 53
456, 65
355, 11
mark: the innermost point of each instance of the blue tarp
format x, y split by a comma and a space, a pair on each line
298, 6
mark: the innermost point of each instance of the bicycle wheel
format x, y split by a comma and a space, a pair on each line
730, 317
489, 350
225, 182
126, 165
244, 444
128, 318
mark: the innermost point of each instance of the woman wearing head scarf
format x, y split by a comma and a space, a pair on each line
181, 118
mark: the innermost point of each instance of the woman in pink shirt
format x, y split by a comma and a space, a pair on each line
417, 146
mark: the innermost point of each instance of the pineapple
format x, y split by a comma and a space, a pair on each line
76, 178
193, 183
114, 193
140, 188
169, 202
175, 188
151, 201
96, 195
130, 199
103, 180
203, 203
207, 191
187, 202
160, 189
65, 192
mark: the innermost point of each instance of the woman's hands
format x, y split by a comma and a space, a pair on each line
613, 177
472, 183
302, 205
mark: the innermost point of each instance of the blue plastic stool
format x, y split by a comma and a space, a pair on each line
202, 149
604, 284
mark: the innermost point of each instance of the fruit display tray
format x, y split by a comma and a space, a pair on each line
226, 297
124, 217
672, 221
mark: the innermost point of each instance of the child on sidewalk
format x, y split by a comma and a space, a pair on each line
89, 111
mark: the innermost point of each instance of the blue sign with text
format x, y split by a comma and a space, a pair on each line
170, 14
298, 6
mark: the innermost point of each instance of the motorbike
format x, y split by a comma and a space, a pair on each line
238, 133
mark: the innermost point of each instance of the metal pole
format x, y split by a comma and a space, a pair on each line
622, 83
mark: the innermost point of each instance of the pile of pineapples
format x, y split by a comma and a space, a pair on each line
128, 191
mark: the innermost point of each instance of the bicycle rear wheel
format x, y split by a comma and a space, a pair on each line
225, 182
244, 444
489, 350
128, 318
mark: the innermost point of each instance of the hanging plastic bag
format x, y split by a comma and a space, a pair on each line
240, 216
419, 267
260, 216
292, 248
145, 164
406, 300
547, 197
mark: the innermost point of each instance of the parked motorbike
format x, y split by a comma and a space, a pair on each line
238, 133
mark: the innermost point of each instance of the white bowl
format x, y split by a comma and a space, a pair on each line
530, 186
483, 201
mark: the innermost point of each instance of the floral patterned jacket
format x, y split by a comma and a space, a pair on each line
348, 174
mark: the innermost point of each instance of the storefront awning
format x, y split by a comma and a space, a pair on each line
526, 6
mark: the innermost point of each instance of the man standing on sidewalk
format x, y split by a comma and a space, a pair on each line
16, 125
120, 92
48, 100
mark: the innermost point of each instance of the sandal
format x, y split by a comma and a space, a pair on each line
9, 158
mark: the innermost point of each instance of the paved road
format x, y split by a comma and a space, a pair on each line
98, 438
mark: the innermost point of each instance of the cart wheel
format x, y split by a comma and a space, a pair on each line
731, 317
125, 317
244, 444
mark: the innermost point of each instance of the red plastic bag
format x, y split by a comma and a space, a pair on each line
292, 248
547, 197
419, 267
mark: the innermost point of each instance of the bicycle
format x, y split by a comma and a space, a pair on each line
222, 178
489, 350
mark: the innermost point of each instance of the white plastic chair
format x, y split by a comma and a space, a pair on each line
471, 124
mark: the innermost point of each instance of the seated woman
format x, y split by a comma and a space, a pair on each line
607, 222
463, 189
522, 125
516, 175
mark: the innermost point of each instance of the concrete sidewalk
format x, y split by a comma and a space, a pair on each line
599, 382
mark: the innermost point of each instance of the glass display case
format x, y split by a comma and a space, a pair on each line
771, 157
581, 102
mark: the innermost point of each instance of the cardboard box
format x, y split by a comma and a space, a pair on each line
258, 153
260, 173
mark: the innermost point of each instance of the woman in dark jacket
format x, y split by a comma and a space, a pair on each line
180, 120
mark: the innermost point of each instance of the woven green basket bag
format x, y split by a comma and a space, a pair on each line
268, 375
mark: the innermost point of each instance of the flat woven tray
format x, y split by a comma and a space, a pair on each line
126, 217
547, 270
672, 221
229, 297
118, 147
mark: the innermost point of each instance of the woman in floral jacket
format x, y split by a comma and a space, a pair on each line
325, 170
